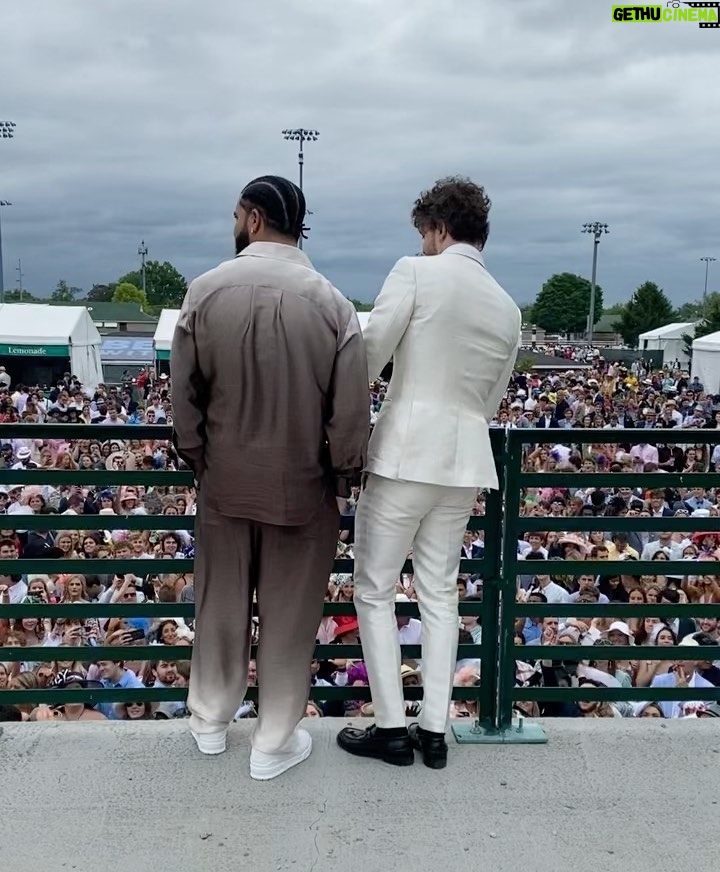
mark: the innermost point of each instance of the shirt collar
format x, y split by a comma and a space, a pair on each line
467, 250
277, 251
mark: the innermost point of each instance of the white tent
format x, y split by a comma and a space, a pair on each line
162, 340
706, 362
43, 335
363, 318
669, 340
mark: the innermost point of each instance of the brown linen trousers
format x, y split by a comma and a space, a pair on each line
271, 411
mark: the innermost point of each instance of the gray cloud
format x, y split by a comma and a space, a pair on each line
144, 118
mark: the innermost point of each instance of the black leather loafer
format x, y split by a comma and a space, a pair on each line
433, 746
390, 746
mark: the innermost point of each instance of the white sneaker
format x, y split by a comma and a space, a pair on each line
264, 767
210, 739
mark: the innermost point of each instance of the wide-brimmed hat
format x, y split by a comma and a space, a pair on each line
345, 624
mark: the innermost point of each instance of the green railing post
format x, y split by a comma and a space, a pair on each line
506, 615
485, 728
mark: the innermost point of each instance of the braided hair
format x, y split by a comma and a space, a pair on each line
281, 202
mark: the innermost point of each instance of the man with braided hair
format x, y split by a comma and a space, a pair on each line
271, 408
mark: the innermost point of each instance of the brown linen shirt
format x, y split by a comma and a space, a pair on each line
270, 389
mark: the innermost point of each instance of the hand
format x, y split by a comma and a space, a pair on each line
44, 713
681, 677
549, 636
3, 590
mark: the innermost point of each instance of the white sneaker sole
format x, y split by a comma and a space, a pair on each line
265, 767
210, 743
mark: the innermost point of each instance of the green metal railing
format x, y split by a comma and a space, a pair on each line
490, 523
512, 567
499, 567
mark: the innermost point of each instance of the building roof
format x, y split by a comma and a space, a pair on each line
605, 324
125, 312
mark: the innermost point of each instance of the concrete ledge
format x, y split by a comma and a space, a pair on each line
607, 794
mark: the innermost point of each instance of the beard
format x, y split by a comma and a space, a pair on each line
242, 240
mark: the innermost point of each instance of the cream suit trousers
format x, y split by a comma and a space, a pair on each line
391, 516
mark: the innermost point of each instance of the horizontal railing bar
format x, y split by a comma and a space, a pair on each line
617, 652
646, 480
616, 610
616, 694
614, 567
109, 478
603, 524
93, 654
159, 523
88, 432
146, 566
98, 610
177, 694
181, 610
635, 436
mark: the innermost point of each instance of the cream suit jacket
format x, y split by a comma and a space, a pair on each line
453, 334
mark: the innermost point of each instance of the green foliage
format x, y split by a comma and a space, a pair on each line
524, 364
19, 296
362, 307
165, 286
689, 311
709, 324
128, 293
64, 293
647, 309
563, 304
101, 293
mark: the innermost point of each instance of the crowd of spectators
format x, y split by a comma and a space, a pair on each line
604, 397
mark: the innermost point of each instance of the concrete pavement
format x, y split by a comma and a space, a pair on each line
602, 794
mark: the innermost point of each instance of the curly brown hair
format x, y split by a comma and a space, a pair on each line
458, 204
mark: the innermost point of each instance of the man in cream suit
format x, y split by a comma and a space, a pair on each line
453, 334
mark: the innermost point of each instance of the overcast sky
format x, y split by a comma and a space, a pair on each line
144, 119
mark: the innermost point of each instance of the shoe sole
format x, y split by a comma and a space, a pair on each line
393, 759
267, 773
210, 748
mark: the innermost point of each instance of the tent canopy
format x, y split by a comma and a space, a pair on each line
670, 331
44, 326
162, 340
711, 342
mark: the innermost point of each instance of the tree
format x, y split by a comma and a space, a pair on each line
19, 296
165, 286
647, 309
362, 307
101, 293
63, 293
563, 304
709, 324
127, 293
690, 311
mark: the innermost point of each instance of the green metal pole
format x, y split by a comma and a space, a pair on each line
521, 733
488, 701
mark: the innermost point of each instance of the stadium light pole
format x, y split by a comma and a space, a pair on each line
7, 131
707, 261
301, 135
143, 252
2, 272
597, 229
